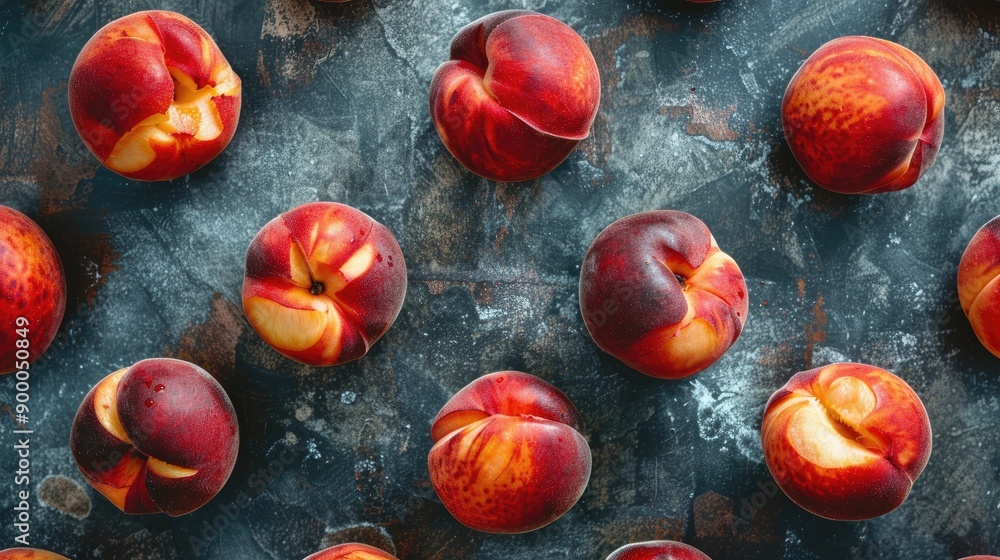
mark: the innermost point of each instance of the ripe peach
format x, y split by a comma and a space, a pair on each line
981, 558
846, 441
519, 93
351, 551
34, 291
152, 96
29, 554
864, 115
658, 550
508, 456
658, 294
324, 281
979, 284
160, 436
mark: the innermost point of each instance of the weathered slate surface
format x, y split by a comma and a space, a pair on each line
335, 108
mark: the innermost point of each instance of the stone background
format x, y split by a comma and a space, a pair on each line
335, 108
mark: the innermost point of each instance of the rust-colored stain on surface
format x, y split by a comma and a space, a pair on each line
297, 41
704, 121
597, 146
815, 331
54, 168
212, 344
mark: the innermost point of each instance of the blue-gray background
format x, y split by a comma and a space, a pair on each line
335, 108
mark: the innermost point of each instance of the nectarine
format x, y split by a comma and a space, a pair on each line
160, 436
979, 284
152, 96
508, 456
351, 551
324, 281
34, 291
864, 115
519, 93
657, 293
29, 554
658, 550
846, 441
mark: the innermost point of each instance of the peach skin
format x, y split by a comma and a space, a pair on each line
29, 554
657, 293
863, 116
508, 456
152, 96
519, 93
160, 436
981, 558
658, 550
324, 281
979, 285
351, 551
34, 291
846, 441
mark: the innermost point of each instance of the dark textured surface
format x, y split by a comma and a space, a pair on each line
335, 109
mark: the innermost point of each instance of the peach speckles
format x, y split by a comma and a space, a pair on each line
508, 456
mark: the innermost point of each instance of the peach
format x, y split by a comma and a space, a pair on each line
981, 558
34, 291
520, 92
657, 293
508, 456
864, 115
29, 554
351, 551
658, 550
324, 281
846, 441
979, 284
160, 436
152, 96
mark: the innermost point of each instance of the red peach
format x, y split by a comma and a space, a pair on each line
979, 284
508, 456
519, 93
29, 554
658, 550
658, 294
324, 282
864, 115
981, 558
152, 96
846, 441
160, 436
34, 291
351, 551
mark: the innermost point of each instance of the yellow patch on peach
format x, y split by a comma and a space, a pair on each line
105, 396
166, 470
287, 328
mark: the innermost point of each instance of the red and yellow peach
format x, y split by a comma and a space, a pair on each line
520, 92
29, 554
658, 550
152, 96
160, 436
846, 441
351, 551
324, 281
34, 291
979, 284
508, 456
657, 293
864, 115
